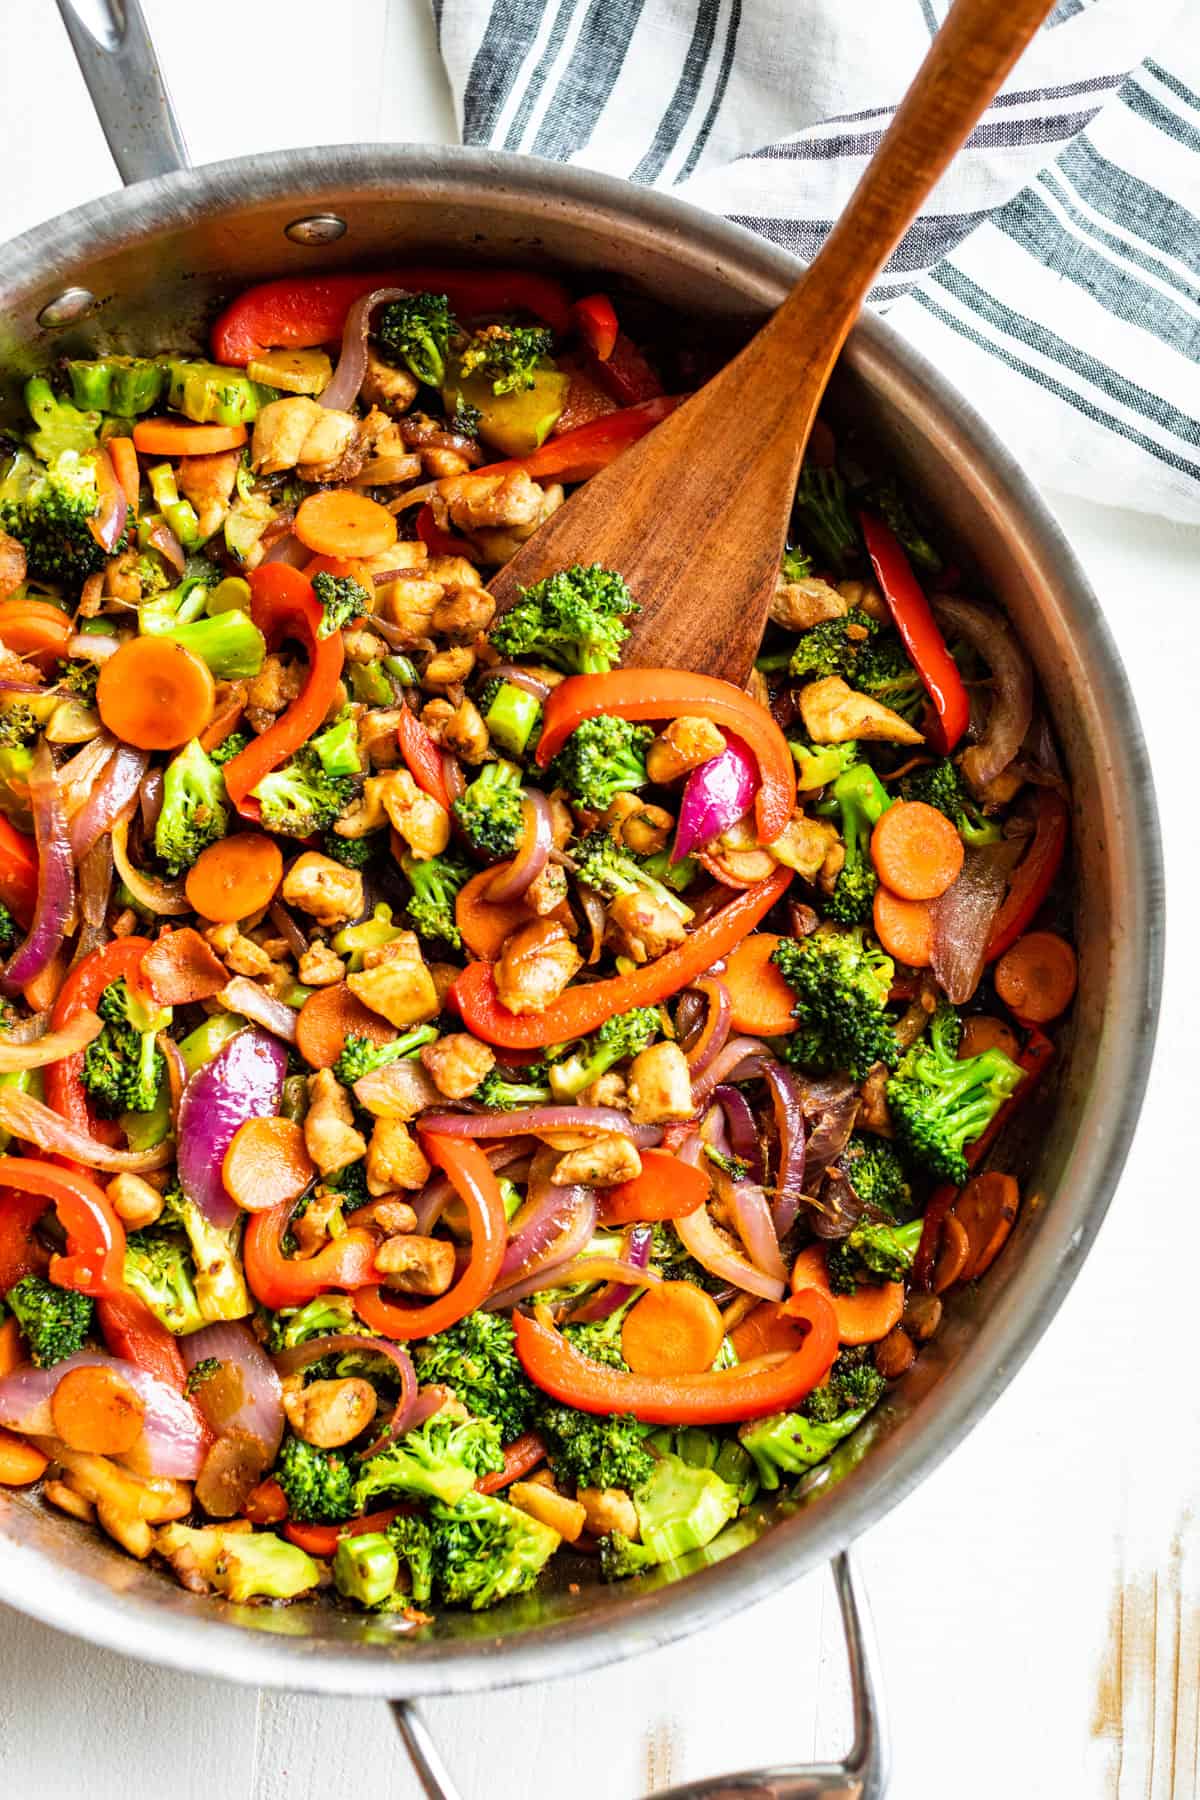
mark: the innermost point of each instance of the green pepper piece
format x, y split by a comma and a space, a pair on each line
369, 683
201, 1045
227, 596
127, 385
179, 514
513, 717
210, 394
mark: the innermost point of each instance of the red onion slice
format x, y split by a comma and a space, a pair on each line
635, 1250
514, 879
163, 539
453, 779
243, 1081
568, 1274
288, 929
436, 1195
287, 549
964, 915
247, 1396
78, 777
989, 634
52, 1047
552, 1226
56, 878
341, 391
108, 521
701, 1239
422, 433
150, 799
174, 1441
25, 1117
740, 1059
522, 678
714, 796
108, 799
165, 898
743, 1131
831, 1106
241, 995
541, 1118
788, 1103
715, 1030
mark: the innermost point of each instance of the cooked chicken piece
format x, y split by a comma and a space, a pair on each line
999, 790
682, 746
362, 645
444, 977
459, 728
501, 543
333, 450
416, 1265
641, 828
394, 389
644, 926
739, 854
57, 1493
134, 1535
394, 1159
280, 431
320, 966
438, 462
606, 1160
318, 1222
400, 1090
207, 481
280, 680
121, 579
548, 1507
330, 1413
377, 736
473, 501
799, 605
421, 821
660, 1086
408, 603
463, 612
607, 1090
609, 1509
316, 884
329, 1134
389, 1214
803, 844
366, 814
241, 954
536, 964
134, 1201
831, 867
387, 471
546, 893
396, 984
458, 1063
453, 571
12, 565
834, 713
448, 668
866, 597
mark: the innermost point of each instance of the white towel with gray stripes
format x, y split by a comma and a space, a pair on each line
1055, 277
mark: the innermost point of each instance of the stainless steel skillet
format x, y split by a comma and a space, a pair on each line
144, 269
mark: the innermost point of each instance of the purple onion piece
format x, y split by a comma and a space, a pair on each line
173, 1442
243, 1081
714, 796
260, 1412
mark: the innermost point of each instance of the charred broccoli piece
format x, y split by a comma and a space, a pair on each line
940, 1103
602, 758
414, 333
507, 355
124, 1067
194, 814
625, 1034
940, 785
490, 812
342, 598
576, 620
841, 983
477, 1357
858, 799
435, 882
54, 1321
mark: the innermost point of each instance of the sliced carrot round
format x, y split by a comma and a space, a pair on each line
96, 1409
665, 1189
176, 437
916, 850
327, 1019
155, 694
679, 1333
484, 924
953, 1253
983, 1032
266, 1162
343, 523
234, 878
34, 628
20, 1462
763, 1003
1036, 978
863, 1317
904, 928
986, 1210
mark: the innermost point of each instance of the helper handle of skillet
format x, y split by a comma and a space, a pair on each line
695, 515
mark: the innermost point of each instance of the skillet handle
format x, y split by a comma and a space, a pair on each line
862, 1775
128, 89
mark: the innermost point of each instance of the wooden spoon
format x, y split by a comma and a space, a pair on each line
695, 514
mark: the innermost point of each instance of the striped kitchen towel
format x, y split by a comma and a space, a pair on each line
1055, 277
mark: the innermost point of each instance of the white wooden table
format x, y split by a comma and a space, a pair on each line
1037, 1598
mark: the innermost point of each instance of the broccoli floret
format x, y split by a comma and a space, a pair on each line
841, 984
152, 573
600, 863
54, 1321
231, 643
243, 1565
602, 758
159, 1269
595, 1449
859, 800
789, 1443
336, 749
940, 785
681, 1506
435, 882
833, 647
59, 426
10, 936
886, 497
819, 764
875, 1172
796, 565
871, 1254
124, 1067
706, 1450
625, 1034
507, 355
350, 1183
822, 516
852, 1384
883, 671
359, 1056
512, 715
194, 813
326, 1316
18, 725
484, 1550
939, 1104
490, 812
301, 798
220, 1284
414, 333
342, 599
352, 853
504, 1089
318, 1484
229, 747
465, 418
576, 620
413, 1539
49, 511
79, 675
439, 1461
477, 1357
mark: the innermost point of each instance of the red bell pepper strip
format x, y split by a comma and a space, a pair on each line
18, 871
596, 321
20, 1252
583, 1009
95, 1255
131, 1330
80, 992
626, 374
283, 604
749, 1392
277, 1280
422, 757
523, 1454
913, 618
322, 1540
125, 464
581, 453
1035, 1059
1033, 875
472, 1178
437, 541
300, 312
672, 694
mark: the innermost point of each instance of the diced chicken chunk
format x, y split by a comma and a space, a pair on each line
330, 1413
448, 668
483, 500
331, 449
660, 1086
400, 1090
388, 1214
417, 816
329, 1134
645, 926
326, 890
536, 964
799, 605
280, 431
393, 389
803, 844
458, 1063
207, 481
834, 713
549, 1507
241, 954
463, 612
546, 893
605, 1160
864, 596
320, 966
280, 681
12, 565
459, 728
394, 1159
396, 984
416, 1265
409, 603
682, 746
609, 1509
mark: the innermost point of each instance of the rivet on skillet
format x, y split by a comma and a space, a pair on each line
320, 228
67, 308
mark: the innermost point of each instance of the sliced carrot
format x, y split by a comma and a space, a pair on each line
767, 1331
953, 1252
343, 523
863, 1317
235, 877
665, 1189
11, 1356
125, 467
916, 850
328, 1017
678, 1333
179, 968
983, 1032
904, 928
266, 1504
34, 628
1036, 978
986, 1209
762, 1000
484, 923
95, 1409
266, 1162
43, 990
155, 694
172, 437
20, 1463
230, 704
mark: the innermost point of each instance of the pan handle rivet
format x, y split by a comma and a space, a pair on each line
320, 228
68, 308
